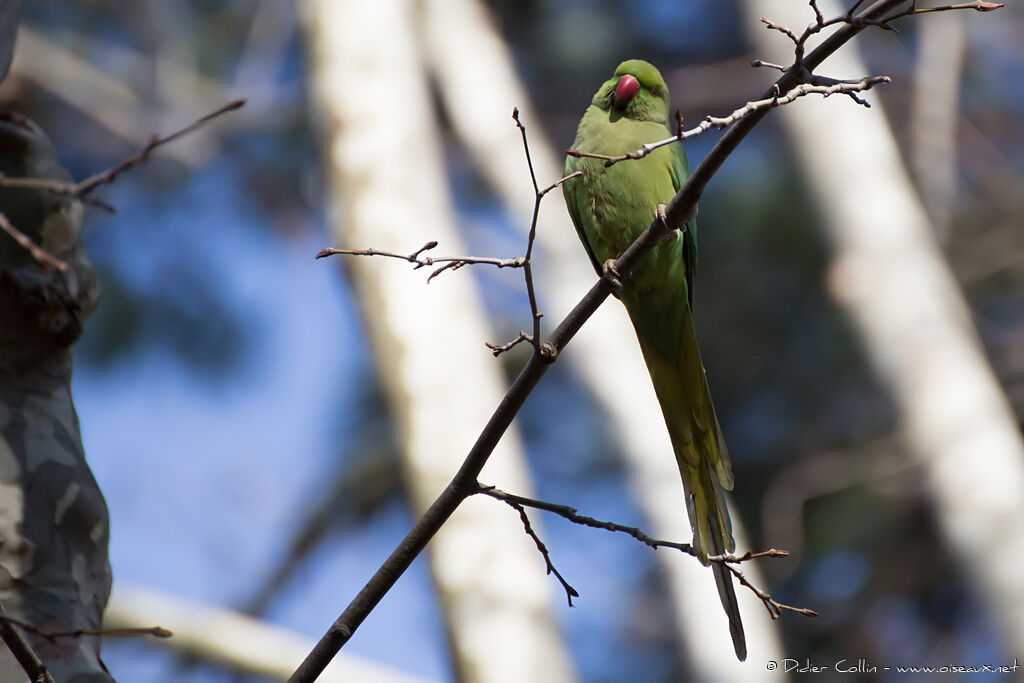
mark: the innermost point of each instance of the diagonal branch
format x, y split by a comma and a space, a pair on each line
30, 662
520, 507
42, 256
82, 189
774, 607
463, 484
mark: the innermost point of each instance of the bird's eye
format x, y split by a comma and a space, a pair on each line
653, 93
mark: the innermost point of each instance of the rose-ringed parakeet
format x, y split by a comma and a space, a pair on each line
611, 206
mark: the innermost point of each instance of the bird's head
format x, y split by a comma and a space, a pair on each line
636, 91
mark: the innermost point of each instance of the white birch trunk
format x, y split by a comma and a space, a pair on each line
605, 352
235, 641
388, 190
890, 276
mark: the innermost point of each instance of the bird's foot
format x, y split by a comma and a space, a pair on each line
610, 273
661, 217
659, 213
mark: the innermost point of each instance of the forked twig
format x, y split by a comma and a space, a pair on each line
518, 503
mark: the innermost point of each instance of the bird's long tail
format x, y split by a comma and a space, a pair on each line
703, 460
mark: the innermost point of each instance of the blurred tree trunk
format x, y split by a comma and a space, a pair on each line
934, 115
891, 277
388, 189
605, 352
234, 641
54, 570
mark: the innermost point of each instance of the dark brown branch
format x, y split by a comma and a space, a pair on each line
535, 314
570, 513
30, 662
570, 592
680, 209
539, 194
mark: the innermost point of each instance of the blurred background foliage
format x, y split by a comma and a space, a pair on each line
223, 383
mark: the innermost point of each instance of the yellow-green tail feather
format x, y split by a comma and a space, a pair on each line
703, 460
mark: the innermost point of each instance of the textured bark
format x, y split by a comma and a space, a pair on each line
54, 570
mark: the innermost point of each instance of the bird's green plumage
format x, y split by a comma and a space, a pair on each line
610, 207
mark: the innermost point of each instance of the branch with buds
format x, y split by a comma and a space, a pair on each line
83, 189
519, 503
677, 212
821, 86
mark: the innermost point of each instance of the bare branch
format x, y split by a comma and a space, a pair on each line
108, 176
570, 592
464, 483
977, 5
518, 503
545, 350
82, 189
571, 514
531, 294
882, 22
498, 349
823, 86
154, 631
760, 62
38, 253
29, 661
419, 260
774, 607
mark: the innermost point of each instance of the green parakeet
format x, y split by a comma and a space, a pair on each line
610, 207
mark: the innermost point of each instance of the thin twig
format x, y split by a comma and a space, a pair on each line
29, 661
570, 592
539, 194
820, 23
154, 631
571, 514
108, 176
418, 259
824, 88
978, 5
760, 62
41, 256
774, 607
498, 349
82, 189
54, 187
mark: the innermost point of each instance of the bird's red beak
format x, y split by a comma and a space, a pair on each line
625, 89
